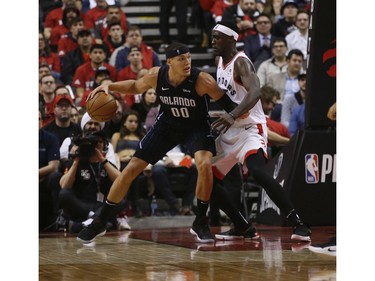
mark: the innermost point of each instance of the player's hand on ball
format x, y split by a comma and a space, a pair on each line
101, 88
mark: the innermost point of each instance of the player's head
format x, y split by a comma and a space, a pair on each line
178, 58
224, 36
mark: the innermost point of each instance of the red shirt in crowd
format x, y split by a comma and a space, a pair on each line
125, 74
84, 76
52, 60
277, 127
57, 33
96, 17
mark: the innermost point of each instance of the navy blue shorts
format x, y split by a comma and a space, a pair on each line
161, 138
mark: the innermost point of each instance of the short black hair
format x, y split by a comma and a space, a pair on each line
98, 46
230, 24
296, 52
279, 39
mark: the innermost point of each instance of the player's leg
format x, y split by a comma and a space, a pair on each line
256, 166
220, 195
203, 191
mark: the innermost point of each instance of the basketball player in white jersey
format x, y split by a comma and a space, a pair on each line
243, 136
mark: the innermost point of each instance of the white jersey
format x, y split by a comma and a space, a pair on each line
246, 136
237, 92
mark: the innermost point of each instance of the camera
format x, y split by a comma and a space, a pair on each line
86, 145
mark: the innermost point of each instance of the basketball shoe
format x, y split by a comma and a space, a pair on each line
93, 230
301, 232
233, 234
201, 230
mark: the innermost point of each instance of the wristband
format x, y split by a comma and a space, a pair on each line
105, 162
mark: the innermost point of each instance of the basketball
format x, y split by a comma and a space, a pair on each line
102, 107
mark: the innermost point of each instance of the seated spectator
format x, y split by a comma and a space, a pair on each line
119, 57
61, 31
96, 17
114, 14
132, 70
148, 101
286, 83
49, 176
115, 37
244, 14
127, 139
297, 39
276, 64
75, 116
84, 77
88, 125
44, 70
124, 144
47, 87
69, 43
61, 126
278, 134
75, 58
292, 101
46, 56
258, 47
86, 183
286, 24
54, 17
297, 119
274, 9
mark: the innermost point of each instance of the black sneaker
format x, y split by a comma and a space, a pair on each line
233, 234
201, 230
95, 229
301, 232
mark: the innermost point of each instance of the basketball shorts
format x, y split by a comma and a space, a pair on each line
161, 138
236, 145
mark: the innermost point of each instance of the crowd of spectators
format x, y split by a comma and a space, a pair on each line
83, 43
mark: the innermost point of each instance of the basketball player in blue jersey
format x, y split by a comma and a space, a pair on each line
183, 119
243, 136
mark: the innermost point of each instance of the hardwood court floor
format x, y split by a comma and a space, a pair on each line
173, 254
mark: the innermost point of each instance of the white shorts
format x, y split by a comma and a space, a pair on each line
236, 144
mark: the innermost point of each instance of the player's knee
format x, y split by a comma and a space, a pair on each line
203, 165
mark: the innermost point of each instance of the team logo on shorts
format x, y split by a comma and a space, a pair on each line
311, 168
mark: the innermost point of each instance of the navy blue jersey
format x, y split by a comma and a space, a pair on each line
183, 119
181, 106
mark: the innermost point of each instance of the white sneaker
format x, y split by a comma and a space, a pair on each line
122, 224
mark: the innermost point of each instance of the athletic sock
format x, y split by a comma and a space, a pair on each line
202, 207
105, 212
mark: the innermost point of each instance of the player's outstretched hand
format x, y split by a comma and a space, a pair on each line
101, 88
222, 124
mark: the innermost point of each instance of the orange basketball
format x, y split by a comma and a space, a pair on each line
102, 107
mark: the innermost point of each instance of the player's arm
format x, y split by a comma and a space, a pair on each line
206, 84
149, 80
244, 75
